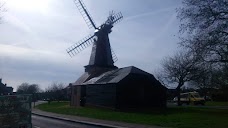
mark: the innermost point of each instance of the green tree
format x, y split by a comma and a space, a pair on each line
26, 88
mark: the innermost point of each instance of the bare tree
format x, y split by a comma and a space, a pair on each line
203, 78
159, 74
2, 9
219, 78
205, 27
179, 69
206, 24
56, 91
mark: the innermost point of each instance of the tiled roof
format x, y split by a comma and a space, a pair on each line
115, 76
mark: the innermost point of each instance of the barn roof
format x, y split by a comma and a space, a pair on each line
115, 76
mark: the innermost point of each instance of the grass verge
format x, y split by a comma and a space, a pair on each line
178, 117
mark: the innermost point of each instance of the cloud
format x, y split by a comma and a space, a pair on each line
156, 12
38, 6
15, 21
18, 65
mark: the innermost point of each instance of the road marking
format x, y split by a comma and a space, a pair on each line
36, 127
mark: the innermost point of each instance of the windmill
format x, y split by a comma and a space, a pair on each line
102, 56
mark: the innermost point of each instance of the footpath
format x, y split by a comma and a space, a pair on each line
90, 121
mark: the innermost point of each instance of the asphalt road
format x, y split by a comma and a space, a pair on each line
43, 122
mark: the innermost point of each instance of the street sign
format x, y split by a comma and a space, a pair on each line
15, 111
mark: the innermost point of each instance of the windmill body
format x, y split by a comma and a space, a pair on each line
102, 57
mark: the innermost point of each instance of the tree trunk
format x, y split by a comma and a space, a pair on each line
180, 84
178, 96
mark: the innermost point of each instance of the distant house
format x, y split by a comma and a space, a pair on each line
4, 90
121, 88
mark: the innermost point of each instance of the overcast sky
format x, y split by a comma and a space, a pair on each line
35, 34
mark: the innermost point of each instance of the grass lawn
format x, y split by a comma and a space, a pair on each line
214, 103
178, 117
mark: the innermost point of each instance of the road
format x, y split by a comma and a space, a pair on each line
43, 122
38, 102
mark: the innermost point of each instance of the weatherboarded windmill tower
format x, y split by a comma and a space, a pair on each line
105, 85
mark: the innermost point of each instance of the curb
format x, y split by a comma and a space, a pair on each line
79, 121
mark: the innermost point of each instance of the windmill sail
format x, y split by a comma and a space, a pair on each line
85, 14
114, 18
81, 45
114, 57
